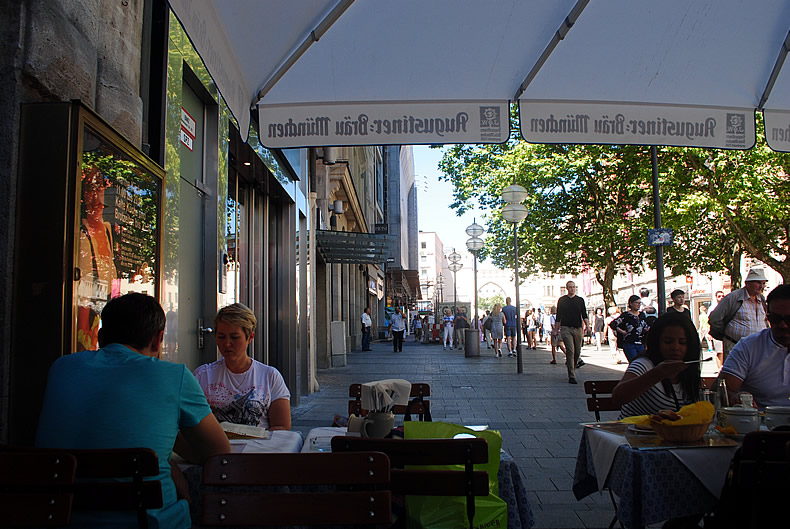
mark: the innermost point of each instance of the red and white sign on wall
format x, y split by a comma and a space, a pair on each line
188, 129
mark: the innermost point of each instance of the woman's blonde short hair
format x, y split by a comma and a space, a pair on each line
239, 315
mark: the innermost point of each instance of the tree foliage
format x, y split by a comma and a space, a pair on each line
590, 206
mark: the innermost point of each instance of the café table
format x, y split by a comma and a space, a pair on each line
511, 486
653, 480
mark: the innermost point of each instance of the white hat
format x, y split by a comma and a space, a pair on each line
756, 274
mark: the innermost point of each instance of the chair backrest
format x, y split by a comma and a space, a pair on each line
35, 488
94, 494
600, 398
429, 452
759, 477
418, 404
337, 506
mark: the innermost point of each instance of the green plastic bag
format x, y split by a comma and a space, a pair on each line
449, 512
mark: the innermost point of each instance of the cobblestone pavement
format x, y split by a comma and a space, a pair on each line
537, 412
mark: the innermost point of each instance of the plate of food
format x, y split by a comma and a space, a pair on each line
641, 429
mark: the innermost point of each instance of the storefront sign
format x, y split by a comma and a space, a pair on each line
632, 124
384, 123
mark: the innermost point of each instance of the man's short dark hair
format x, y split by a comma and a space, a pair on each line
780, 292
644, 292
677, 292
132, 319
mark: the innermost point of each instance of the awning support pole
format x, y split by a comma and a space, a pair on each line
660, 287
316, 34
775, 72
566, 26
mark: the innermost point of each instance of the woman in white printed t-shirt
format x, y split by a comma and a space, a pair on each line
239, 389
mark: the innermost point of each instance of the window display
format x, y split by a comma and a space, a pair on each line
117, 250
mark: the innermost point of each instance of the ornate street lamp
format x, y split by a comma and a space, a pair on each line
514, 212
455, 266
474, 245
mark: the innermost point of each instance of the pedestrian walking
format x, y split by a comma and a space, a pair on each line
632, 326
511, 326
497, 328
572, 319
598, 328
366, 324
740, 313
447, 320
397, 327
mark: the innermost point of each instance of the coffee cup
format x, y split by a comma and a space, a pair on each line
355, 424
744, 420
378, 424
777, 416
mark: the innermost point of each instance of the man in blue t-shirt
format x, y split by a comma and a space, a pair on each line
511, 326
123, 396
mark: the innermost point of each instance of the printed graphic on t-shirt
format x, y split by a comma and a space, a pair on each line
243, 409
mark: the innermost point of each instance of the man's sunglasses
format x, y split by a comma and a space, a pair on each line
776, 319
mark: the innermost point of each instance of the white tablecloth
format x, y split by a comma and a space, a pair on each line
279, 441
709, 465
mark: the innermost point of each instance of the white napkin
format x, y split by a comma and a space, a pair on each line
709, 465
383, 395
603, 446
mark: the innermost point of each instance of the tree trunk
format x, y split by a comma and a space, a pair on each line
606, 280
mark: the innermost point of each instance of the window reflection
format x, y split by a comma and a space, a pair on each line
117, 248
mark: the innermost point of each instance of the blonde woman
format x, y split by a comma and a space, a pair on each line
497, 328
239, 389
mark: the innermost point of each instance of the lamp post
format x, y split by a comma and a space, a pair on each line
514, 212
474, 244
439, 290
455, 266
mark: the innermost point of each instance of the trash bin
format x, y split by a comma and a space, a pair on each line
472, 347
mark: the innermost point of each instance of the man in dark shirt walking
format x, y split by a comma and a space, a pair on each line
571, 317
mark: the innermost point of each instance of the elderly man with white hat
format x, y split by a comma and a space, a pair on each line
741, 313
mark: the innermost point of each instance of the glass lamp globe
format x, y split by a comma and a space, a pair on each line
514, 213
514, 194
474, 230
475, 243
454, 267
454, 257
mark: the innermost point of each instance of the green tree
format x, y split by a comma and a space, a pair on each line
487, 303
586, 205
741, 201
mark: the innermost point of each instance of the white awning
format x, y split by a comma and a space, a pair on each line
366, 72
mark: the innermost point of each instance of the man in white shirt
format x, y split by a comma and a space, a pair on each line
760, 362
366, 324
448, 328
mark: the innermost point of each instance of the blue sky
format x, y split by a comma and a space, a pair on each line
434, 199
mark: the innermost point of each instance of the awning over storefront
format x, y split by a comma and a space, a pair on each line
353, 247
361, 72
404, 283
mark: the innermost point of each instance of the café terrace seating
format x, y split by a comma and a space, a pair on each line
35, 488
429, 452
350, 489
417, 405
94, 485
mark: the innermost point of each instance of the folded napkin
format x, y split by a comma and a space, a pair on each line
383, 395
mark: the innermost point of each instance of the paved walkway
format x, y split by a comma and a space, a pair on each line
537, 412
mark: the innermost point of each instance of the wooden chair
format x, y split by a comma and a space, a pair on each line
101, 492
418, 403
35, 488
424, 452
600, 398
707, 382
364, 470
